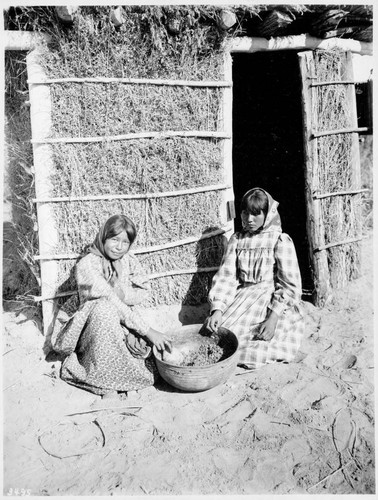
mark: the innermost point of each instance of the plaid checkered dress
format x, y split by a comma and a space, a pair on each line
259, 272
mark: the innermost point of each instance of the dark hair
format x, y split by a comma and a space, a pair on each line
254, 202
116, 224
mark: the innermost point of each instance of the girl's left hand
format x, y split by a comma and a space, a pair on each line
268, 327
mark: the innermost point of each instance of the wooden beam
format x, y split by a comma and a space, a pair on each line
350, 130
315, 227
138, 135
297, 42
355, 163
338, 243
339, 193
141, 81
41, 124
23, 40
147, 196
227, 209
154, 248
163, 274
334, 82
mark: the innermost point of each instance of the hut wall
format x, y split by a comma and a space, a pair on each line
137, 167
141, 135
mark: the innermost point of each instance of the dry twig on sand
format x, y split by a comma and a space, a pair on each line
329, 475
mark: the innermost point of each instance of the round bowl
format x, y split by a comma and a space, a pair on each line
197, 378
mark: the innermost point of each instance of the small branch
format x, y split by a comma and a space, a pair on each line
10, 350
228, 409
143, 81
156, 248
345, 242
166, 194
117, 408
138, 135
339, 193
334, 82
245, 371
95, 422
193, 270
329, 475
340, 131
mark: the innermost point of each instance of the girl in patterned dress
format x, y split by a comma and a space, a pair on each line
107, 342
256, 292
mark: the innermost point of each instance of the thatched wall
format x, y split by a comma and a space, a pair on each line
341, 214
137, 166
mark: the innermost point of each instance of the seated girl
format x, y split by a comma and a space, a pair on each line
257, 291
107, 342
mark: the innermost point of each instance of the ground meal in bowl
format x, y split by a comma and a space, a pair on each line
210, 351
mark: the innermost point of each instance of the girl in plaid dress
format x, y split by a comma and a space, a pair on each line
256, 292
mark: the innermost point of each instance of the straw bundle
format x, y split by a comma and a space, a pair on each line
341, 214
20, 272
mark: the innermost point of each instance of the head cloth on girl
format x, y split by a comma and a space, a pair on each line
112, 269
272, 220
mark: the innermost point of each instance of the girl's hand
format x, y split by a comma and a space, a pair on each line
214, 321
160, 340
268, 327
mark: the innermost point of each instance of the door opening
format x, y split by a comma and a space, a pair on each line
268, 140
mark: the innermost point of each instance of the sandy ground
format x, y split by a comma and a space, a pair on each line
306, 427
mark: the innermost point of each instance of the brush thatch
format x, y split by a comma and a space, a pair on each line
341, 214
138, 166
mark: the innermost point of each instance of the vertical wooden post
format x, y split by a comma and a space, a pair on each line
355, 165
228, 194
315, 228
40, 115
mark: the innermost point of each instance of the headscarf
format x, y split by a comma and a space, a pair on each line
272, 220
111, 269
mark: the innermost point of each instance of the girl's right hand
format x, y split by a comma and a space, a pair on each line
161, 341
214, 321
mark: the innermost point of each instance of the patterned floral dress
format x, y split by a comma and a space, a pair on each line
259, 272
94, 339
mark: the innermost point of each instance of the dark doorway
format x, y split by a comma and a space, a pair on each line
268, 140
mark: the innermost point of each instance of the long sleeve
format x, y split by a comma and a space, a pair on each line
288, 283
93, 285
225, 281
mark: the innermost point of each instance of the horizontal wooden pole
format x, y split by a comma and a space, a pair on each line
23, 40
296, 42
193, 270
163, 274
334, 82
340, 131
339, 193
142, 81
155, 248
137, 135
338, 243
166, 194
